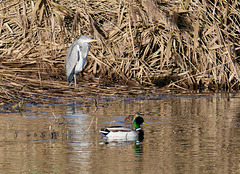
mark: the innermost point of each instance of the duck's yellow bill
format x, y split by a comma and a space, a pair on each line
144, 123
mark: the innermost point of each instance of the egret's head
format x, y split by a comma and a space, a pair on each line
86, 39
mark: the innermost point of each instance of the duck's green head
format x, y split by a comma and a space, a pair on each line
138, 121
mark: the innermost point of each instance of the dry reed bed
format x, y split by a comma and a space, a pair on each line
183, 44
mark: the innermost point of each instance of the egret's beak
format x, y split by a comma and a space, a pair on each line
93, 40
144, 123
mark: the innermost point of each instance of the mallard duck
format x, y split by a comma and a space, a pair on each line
131, 118
124, 133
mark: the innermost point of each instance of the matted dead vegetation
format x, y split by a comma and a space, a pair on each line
142, 43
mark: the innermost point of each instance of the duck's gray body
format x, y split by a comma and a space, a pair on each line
120, 132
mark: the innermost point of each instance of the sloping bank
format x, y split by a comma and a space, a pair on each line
143, 46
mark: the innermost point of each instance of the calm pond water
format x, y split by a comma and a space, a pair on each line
185, 134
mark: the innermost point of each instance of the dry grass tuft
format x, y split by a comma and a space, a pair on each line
183, 44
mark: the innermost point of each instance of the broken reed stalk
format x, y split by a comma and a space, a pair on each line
141, 43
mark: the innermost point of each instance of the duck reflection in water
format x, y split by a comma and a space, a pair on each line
124, 133
138, 147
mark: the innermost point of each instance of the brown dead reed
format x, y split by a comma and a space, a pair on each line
145, 44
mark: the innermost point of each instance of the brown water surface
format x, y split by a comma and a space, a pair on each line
185, 134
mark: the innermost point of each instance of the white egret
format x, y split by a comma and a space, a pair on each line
76, 58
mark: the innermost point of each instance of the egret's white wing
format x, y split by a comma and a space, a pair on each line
71, 60
81, 61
